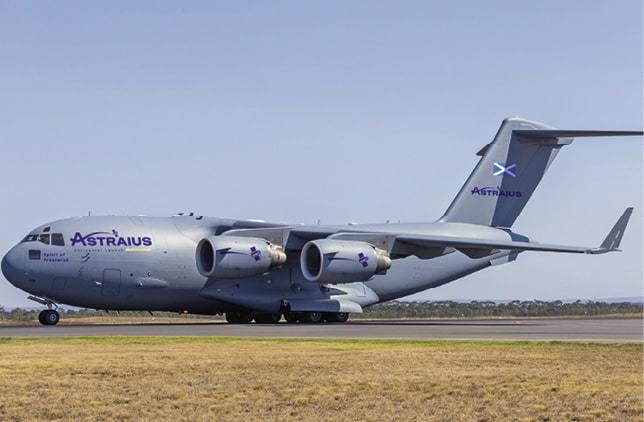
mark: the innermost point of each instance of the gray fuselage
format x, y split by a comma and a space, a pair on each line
148, 263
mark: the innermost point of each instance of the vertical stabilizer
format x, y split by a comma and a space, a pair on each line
510, 169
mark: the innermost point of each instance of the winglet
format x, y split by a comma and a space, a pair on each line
614, 238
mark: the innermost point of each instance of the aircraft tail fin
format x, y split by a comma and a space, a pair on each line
510, 169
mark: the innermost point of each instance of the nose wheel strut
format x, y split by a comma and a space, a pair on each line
49, 316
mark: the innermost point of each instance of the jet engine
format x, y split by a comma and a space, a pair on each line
237, 257
342, 261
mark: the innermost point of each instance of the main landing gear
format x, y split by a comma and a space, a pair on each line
315, 317
241, 317
338, 317
267, 318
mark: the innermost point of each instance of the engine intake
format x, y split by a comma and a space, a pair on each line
237, 257
342, 261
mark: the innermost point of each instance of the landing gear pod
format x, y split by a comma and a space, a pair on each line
342, 261
237, 257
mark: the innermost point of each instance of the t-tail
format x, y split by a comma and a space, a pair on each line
510, 169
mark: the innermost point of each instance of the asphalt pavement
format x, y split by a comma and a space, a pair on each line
568, 329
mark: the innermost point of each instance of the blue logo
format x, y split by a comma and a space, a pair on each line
363, 259
109, 239
496, 191
255, 253
501, 169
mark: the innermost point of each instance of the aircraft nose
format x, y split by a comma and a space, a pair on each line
11, 266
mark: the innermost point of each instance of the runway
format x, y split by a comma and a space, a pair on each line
588, 329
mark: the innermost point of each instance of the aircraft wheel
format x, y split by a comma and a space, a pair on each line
291, 317
49, 317
238, 317
267, 318
337, 317
313, 317
342, 316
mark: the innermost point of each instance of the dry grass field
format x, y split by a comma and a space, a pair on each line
179, 378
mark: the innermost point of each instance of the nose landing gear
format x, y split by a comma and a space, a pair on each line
49, 316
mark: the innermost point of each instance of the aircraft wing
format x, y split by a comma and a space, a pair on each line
428, 246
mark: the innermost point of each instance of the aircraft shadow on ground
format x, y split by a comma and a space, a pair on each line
452, 323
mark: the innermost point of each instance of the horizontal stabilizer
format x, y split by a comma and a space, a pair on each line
556, 133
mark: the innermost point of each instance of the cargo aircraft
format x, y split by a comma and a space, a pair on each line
254, 270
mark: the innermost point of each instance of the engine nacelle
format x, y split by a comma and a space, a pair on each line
237, 257
342, 261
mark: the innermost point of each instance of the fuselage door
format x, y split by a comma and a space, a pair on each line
111, 282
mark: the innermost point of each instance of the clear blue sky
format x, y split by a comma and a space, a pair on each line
340, 111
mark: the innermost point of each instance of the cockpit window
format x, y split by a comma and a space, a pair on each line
30, 238
44, 238
57, 239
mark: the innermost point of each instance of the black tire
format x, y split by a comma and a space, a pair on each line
238, 317
231, 318
336, 317
341, 317
313, 317
267, 318
49, 317
291, 317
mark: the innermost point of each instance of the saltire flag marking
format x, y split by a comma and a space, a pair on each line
501, 169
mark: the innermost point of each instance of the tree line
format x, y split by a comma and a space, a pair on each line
515, 308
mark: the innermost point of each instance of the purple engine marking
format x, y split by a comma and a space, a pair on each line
363, 259
255, 253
